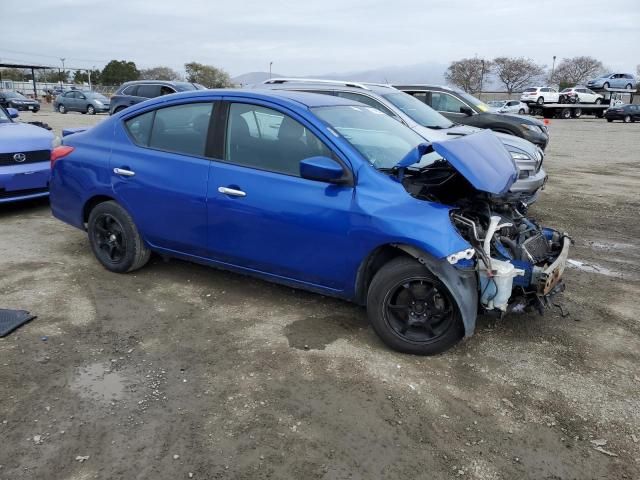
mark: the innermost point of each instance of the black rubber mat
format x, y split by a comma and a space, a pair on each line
12, 319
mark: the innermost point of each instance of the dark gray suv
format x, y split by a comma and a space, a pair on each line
138, 91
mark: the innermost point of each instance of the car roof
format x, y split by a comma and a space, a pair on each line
314, 83
284, 97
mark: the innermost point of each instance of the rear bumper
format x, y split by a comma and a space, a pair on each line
23, 182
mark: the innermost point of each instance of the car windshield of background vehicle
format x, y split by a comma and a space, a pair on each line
185, 86
97, 96
479, 104
418, 111
380, 139
498, 103
15, 95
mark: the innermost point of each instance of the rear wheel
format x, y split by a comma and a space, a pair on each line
411, 310
62, 109
521, 111
540, 101
609, 120
115, 240
577, 113
91, 110
627, 119
628, 86
565, 113
598, 101
605, 85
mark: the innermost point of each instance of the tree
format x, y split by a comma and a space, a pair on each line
468, 73
82, 76
207, 75
159, 73
14, 74
576, 70
119, 71
516, 73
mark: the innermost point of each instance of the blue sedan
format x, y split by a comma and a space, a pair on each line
316, 192
25, 152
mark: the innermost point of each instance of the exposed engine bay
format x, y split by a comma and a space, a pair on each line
519, 263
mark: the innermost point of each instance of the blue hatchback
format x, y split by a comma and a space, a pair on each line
316, 192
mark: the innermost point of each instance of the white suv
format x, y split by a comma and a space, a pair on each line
540, 95
579, 95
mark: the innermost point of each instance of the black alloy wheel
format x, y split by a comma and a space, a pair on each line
109, 237
411, 310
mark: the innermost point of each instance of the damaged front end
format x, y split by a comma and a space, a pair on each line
519, 263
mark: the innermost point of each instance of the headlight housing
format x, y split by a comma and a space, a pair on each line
520, 156
98, 102
533, 128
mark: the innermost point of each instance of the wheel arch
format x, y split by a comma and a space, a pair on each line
461, 283
91, 203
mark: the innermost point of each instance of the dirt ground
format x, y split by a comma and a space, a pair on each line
182, 371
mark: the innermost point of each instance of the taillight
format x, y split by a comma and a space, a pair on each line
60, 152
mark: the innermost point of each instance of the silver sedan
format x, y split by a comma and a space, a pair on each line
509, 106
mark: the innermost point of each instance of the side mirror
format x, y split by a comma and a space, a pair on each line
13, 113
323, 169
466, 110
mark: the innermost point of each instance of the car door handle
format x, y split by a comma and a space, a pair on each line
231, 191
124, 172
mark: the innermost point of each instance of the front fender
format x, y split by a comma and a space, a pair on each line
461, 282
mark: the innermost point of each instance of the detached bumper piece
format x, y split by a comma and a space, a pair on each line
12, 319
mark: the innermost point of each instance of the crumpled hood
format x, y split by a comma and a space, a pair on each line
22, 137
480, 157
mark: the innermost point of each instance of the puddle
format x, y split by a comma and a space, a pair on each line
99, 383
315, 333
593, 268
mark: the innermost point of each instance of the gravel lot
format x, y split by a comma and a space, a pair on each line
182, 371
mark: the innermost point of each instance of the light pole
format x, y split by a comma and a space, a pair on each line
62, 60
553, 68
270, 63
481, 77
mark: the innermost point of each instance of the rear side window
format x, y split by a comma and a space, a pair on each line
130, 90
148, 91
140, 128
181, 129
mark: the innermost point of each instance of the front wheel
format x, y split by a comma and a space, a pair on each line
115, 240
627, 119
609, 120
62, 109
598, 101
540, 101
91, 110
628, 86
521, 111
411, 310
605, 85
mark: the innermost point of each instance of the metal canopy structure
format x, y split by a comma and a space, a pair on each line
33, 68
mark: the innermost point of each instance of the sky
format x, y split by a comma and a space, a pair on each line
306, 37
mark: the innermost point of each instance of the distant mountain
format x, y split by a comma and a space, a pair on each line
428, 72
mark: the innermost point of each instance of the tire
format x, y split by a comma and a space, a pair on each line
609, 120
91, 110
565, 113
436, 323
540, 101
628, 86
598, 101
115, 240
575, 100
62, 108
577, 113
521, 111
605, 85
627, 119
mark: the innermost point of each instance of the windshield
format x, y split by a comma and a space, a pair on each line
185, 86
14, 95
97, 96
419, 111
497, 103
566, 90
476, 102
530, 89
382, 140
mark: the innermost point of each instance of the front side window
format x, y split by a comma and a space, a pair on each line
366, 100
266, 139
130, 90
443, 102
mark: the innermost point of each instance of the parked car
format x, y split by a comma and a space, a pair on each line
509, 106
540, 95
614, 80
25, 151
579, 95
18, 101
626, 113
316, 192
461, 107
82, 101
138, 91
425, 121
